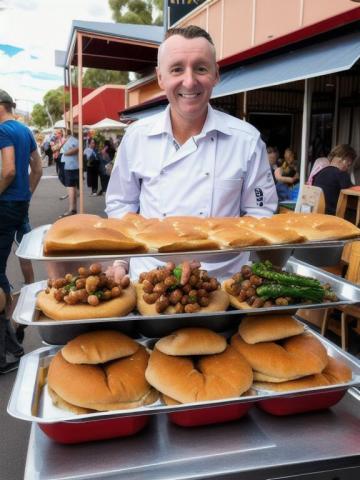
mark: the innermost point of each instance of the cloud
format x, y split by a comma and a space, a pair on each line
27, 52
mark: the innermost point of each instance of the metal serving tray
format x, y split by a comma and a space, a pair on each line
31, 248
59, 332
30, 401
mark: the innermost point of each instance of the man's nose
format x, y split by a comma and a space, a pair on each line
189, 78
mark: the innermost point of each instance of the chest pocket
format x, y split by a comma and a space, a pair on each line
226, 199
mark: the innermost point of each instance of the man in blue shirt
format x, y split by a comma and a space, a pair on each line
18, 153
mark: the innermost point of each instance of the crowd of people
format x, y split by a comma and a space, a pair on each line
331, 173
62, 148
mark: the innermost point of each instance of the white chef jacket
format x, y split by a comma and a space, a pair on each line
223, 171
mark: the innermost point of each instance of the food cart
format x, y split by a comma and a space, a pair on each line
272, 436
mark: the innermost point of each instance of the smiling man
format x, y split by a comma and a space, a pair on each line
190, 159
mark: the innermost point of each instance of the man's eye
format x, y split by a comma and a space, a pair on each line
202, 69
176, 70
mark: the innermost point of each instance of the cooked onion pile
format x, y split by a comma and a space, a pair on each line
185, 286
90, 286
262, 285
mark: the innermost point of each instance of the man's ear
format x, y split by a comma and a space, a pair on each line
159, 79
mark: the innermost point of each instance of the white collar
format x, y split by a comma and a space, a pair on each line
212, 123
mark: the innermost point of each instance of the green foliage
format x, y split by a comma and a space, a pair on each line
39, 116
94, 78
54, 103
143, 12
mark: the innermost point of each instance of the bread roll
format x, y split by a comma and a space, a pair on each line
109, 386
235, 236
267, 328
87, 233
287, 359
99, 347
336, 372
116, 307
213, 377
192, 341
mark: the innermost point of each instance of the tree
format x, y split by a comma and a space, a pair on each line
143, 12
39, 116
54, 103
94, 78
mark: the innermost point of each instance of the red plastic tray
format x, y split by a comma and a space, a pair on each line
302, 403
87, 431
211, 415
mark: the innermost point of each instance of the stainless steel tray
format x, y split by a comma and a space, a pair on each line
347, 293
31, 248
30, 401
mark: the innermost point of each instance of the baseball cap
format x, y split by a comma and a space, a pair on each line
5, 98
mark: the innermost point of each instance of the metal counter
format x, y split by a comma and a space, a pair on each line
321, 446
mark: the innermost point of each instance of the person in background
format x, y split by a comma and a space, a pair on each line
273, 157
286, 176
56, 145
92, 157
335, 177
18, 154
70, 150
26, 270
106, 158
190, 159
319, 164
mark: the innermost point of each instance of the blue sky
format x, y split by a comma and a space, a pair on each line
30, 32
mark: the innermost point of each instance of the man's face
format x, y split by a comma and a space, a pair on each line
187, 72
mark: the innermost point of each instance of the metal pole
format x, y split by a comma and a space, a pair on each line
304, 138
165, 15
80, 105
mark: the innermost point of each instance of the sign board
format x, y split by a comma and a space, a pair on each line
177, 9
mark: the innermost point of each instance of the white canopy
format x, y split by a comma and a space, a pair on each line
107, 124
60, 124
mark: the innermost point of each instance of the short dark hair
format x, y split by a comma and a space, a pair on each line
191, 31
8, 107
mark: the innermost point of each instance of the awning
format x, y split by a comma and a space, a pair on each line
146, 112
115, 46
335, 55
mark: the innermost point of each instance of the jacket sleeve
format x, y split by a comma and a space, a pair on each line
258, 195
122, 194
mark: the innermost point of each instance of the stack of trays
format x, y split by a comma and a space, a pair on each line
30, 399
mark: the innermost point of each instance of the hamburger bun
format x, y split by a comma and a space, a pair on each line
99, 347
192, 341
336, 372
268, 328
116, 307
111, 386
212, 377
288, 359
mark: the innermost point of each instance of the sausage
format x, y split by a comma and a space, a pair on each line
186, 273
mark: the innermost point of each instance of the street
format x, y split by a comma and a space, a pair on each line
45, 208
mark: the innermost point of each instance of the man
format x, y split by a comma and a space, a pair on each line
335, 177
18, 153
190, 159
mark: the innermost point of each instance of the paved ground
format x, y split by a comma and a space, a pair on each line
45, 208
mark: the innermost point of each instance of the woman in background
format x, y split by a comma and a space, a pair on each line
335, 177
286, 176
